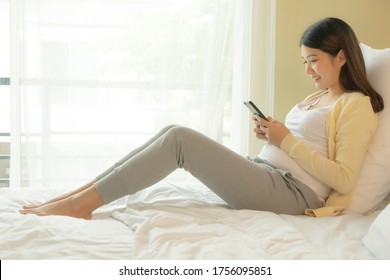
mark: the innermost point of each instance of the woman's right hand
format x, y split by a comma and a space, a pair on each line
259, 130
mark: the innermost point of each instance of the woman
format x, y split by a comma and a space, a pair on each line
310, 162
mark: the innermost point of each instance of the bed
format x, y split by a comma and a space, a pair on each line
186, 221
176, 222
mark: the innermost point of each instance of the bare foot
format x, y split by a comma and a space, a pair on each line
80, 205
34, 206
61, 197
63, 207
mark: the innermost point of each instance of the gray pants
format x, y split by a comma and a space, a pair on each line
242, 183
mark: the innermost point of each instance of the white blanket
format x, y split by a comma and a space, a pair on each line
174, 222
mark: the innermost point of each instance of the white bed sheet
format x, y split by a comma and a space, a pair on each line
175, 222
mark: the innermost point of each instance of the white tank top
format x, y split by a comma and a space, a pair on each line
308, 126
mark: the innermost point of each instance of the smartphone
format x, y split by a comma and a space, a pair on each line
253, 108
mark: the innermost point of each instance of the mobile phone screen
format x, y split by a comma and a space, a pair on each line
254, 110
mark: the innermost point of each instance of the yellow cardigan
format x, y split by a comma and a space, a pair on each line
350, 127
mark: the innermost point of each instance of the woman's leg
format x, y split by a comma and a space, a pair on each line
240, 182
109, 170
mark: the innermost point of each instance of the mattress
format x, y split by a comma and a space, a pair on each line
169, 221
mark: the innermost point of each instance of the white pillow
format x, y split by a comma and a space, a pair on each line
377, 240
373, 183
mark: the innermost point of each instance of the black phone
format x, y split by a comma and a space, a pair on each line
254, 110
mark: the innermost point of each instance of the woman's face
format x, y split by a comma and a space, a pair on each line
323, 68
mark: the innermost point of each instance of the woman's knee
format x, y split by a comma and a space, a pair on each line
169, 127
179, 132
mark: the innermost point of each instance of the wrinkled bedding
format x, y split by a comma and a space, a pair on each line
167, 221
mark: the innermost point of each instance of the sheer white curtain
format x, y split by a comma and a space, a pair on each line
94, 79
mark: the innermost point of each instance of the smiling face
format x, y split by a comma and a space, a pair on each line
323, 68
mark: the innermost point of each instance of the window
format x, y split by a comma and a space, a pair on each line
98, 78
4, 95
91, 80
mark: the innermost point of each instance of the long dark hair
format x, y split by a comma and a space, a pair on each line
332, 35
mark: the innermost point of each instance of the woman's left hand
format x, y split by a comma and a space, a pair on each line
275, 131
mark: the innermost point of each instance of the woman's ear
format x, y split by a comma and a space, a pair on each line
341, 58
